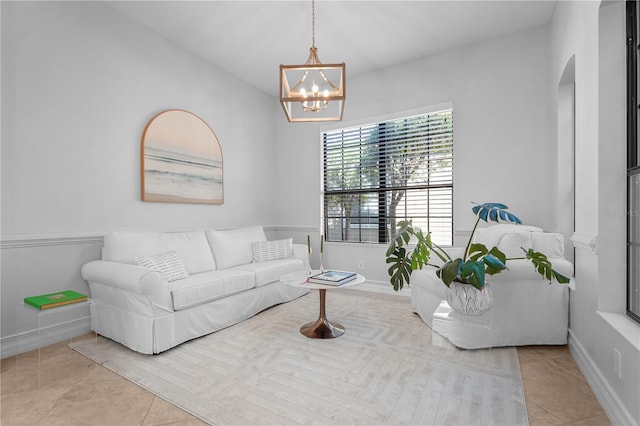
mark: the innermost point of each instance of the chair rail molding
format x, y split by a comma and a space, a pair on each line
48, 240
586, 242
76, 238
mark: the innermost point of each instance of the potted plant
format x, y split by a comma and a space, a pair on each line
467, 272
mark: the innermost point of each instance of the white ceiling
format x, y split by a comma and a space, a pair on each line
250, 39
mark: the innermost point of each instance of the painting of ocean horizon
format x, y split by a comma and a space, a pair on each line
181, 160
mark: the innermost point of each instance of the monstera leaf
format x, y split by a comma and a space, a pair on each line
470, 272
449, 271
422, 251
400, 269
543, 266
494, 264
403, 236
494, 259
473, 273
402, 262
495, 212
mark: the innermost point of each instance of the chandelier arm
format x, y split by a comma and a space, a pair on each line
327, 80
304, 76
313, 56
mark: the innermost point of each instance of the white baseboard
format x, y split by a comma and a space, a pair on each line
34, 339
615, 409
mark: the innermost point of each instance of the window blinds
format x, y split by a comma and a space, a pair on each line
378, 174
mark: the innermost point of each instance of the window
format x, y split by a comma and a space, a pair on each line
378, 174
633, 166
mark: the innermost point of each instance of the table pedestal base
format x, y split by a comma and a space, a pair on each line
322, 328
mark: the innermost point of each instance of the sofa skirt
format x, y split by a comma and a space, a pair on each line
525, 312
164, 330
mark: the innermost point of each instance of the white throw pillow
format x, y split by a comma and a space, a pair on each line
170, 265
235, 246
264, 251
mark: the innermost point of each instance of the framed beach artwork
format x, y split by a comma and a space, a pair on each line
181, 160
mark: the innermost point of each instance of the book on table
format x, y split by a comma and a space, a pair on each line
332, 277
61, 298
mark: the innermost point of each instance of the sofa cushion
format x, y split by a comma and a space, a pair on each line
512, 243
268, 272
234, 246
170, 265
491, 235
549, 243
208, 286
271, 250
125, 246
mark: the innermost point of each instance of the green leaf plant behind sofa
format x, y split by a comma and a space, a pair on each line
152, 291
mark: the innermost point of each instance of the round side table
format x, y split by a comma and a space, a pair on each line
321, 328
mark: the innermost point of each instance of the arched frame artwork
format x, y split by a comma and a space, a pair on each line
181, 160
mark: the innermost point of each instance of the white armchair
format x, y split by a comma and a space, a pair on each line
527, 310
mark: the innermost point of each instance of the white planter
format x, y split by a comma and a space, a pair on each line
468, 300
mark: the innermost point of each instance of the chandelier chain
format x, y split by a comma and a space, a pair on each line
313, 23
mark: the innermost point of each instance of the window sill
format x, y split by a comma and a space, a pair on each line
626, 327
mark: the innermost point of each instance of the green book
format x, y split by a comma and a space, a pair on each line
46, 301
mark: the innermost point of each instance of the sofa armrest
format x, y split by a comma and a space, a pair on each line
132, 278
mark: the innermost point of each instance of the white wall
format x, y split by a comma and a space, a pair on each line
79, 83
501, 96
595, 36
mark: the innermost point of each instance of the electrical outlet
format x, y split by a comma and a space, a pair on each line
361, 265
617, 362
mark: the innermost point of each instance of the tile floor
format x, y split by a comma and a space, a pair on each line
72, 390
556, 392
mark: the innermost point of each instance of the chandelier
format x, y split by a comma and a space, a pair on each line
318, 90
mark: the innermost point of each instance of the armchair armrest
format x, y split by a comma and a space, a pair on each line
132, 278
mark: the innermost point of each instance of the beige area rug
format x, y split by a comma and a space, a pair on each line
383, 370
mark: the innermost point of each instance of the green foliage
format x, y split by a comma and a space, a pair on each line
477, 261
544, 267
400, 270
473, 273
449, 271
495, 212
402, 262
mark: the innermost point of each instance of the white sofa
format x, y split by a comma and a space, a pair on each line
194, 283
526, 309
